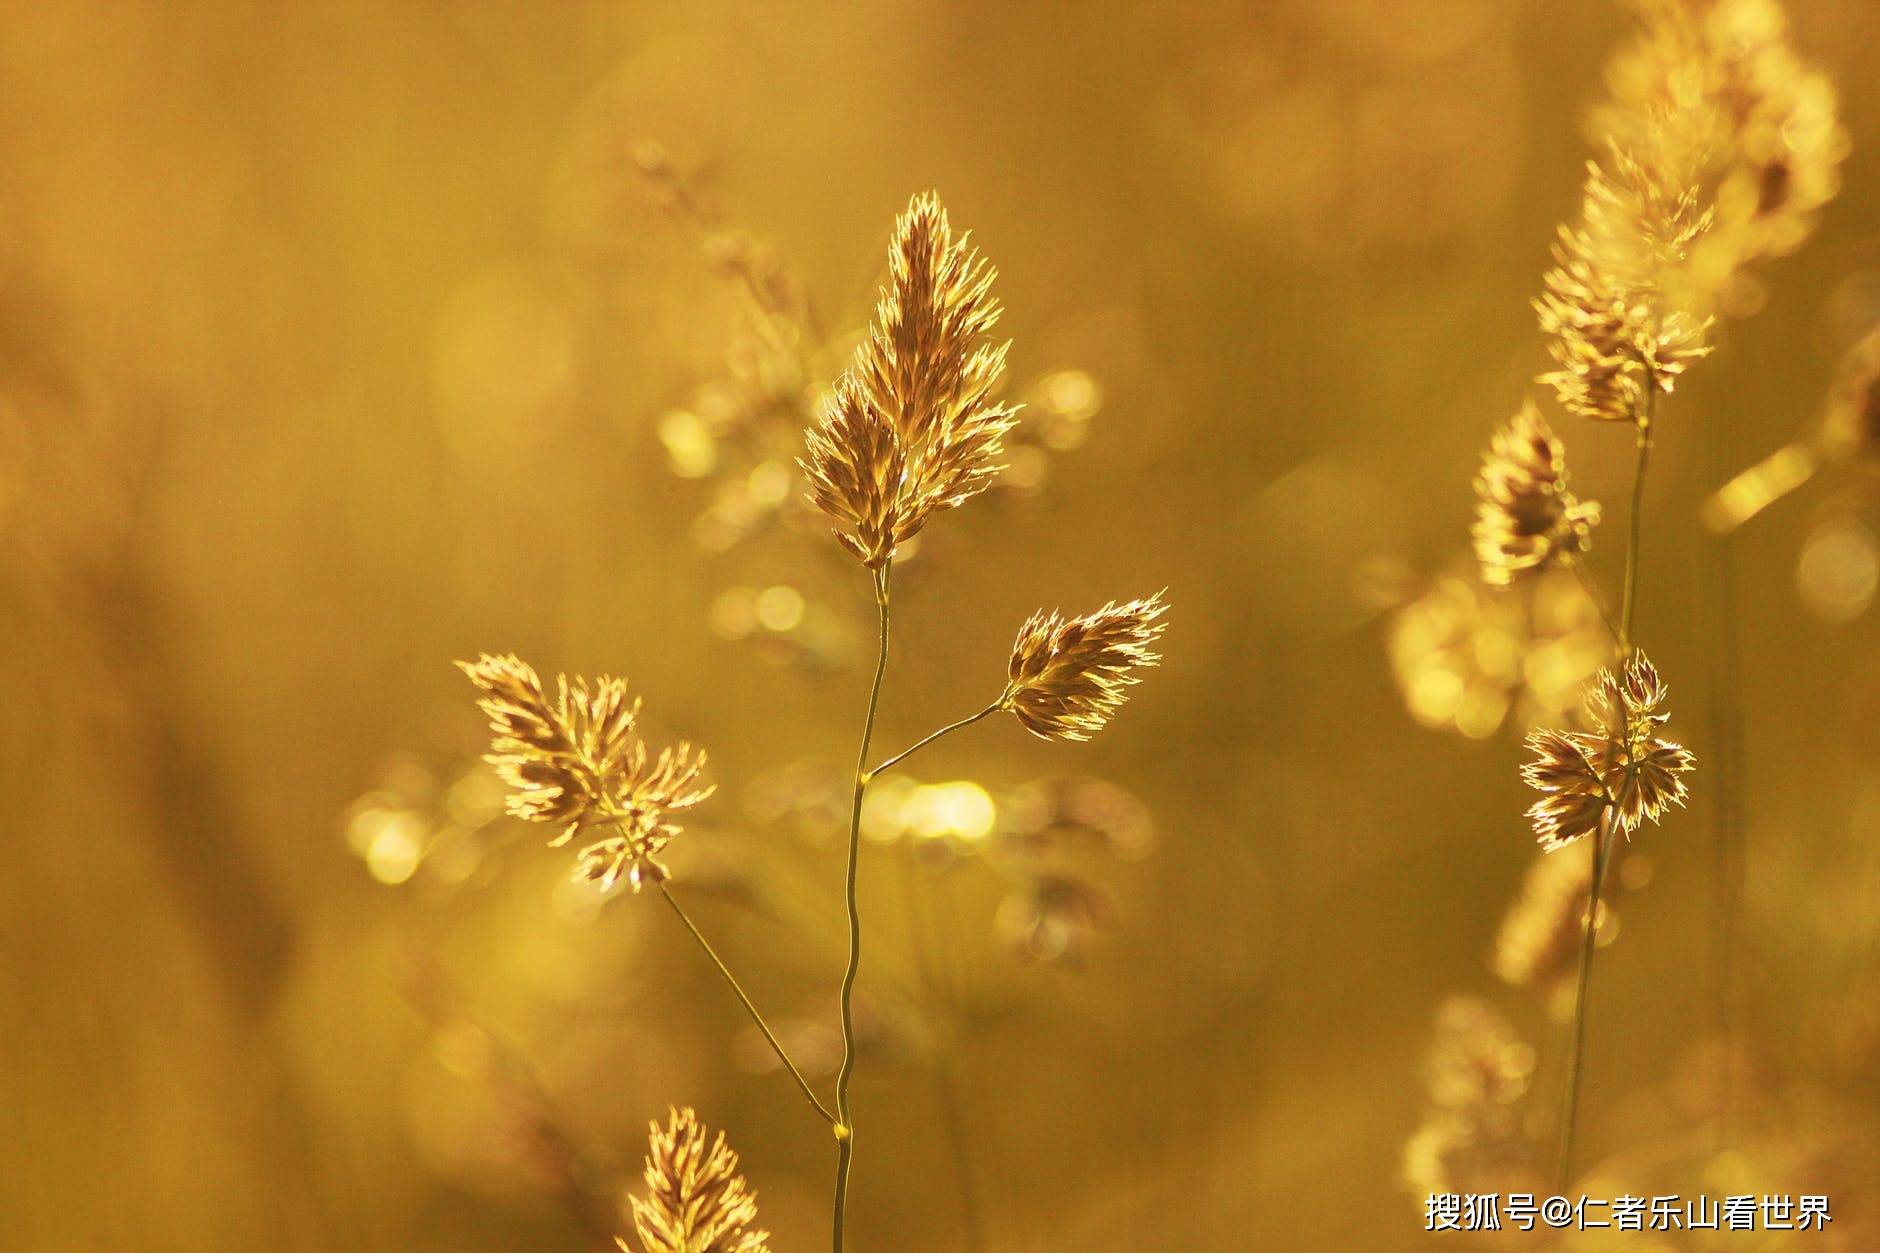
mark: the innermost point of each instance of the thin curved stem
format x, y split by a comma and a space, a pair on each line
1577, 1048
845, 1124
1603, 837
776, 1046
905, 753
1630, 601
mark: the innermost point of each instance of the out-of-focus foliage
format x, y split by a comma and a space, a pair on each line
339, 341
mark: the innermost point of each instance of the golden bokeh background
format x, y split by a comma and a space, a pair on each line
338, 341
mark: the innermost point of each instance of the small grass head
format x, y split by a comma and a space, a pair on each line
576, 760
696, 1200
1068, 676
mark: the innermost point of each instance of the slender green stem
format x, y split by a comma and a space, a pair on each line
1577, 1046
944, 1079
905, 753
1603, 837
845, 1124
775, 1045
1630, 601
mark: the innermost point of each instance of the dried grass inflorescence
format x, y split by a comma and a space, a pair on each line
1716, 86
1718, 147
1525, 518
913, 428
857, 470
1067, 676
1472, 1139
1622, 772
577, 760
1611, 305
696, 1201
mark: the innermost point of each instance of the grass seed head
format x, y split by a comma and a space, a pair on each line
914, 428
1525, 518
1610, 305
1067, 676
1621, 772
696, 1200
576, 760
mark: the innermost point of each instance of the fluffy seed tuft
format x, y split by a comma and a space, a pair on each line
577, 760
1616, 329
1622, 772
913, 428
696, 1201
1067, 676
1525, 518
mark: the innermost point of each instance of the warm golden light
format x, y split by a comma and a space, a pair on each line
1282, 599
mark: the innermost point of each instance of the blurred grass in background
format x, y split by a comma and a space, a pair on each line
339, 341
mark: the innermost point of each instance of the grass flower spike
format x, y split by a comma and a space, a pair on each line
1648, 774
1623, 766
927, 362
1719, 85
651, 788
1719, 145
857, 467
577, 760
913, 428
1525, 518
1067, 676
696, 1202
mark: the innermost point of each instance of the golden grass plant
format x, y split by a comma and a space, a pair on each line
912, 429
